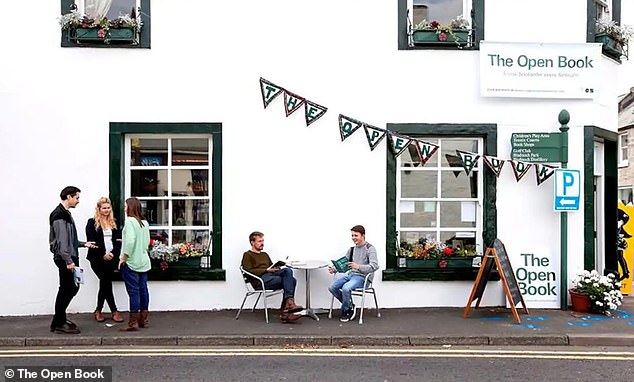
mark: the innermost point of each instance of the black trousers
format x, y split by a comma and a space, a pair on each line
67, 290
105, 272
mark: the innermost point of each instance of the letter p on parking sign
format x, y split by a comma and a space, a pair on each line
567, 189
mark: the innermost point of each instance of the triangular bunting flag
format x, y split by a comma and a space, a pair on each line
313, 112
292, 102
269, 91
398, 143
374, 134
347, 126
495, 164
520, 168
543, 172
469, 160
425, 150
454, 161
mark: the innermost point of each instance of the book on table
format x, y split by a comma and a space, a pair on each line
341, 264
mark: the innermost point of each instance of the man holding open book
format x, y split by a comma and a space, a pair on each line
351, 271
275, 276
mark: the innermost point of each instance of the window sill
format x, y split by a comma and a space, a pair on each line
434, 274
192, 274
623, 164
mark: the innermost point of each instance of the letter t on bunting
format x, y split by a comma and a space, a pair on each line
269, 91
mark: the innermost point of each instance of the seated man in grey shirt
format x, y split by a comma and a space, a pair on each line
362, 260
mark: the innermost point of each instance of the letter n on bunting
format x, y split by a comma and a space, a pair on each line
495, 164
425, 150
469, 160
543, 172
269, 91
292, 102
374, 134
398, 143
347, 126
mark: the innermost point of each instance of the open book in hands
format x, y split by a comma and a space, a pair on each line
341, 264
278, 264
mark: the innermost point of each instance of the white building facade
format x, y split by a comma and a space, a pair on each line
174, 115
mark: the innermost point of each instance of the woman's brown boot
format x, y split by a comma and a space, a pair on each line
143, 319
133, 323
99, 316
116, 316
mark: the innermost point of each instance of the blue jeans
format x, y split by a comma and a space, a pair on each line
282, 279
136, 285
342, 287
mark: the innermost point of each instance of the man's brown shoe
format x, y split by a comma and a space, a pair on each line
116, 316
99, 316
289, 317
291, 307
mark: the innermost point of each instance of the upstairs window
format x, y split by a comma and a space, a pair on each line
623, 152
105, 23
440, 24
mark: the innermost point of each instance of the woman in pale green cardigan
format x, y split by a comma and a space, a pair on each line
135, 263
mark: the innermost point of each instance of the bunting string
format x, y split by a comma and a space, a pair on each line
397, 142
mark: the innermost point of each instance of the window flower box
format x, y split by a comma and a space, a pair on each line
80, 28
433, 33
611, 47
425, 37
614, 37
101, 35
445, 263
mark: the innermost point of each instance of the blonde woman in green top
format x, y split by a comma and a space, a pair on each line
135, 263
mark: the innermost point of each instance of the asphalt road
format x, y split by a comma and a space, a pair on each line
347, 364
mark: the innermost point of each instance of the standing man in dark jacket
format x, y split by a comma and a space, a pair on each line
64, 245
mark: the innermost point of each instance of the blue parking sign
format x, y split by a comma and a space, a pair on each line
567, 189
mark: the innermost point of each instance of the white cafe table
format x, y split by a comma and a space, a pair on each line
309, 265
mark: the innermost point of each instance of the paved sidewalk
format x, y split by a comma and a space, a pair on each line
395, 327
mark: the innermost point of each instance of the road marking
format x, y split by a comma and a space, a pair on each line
303, 352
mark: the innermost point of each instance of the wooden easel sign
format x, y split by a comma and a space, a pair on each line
497, 256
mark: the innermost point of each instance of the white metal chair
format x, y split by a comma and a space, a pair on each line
250, 291
366, 289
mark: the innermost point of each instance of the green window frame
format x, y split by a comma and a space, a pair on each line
117, 138
144, 33
476, 19
488, 133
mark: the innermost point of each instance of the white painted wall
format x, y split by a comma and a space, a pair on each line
301, 186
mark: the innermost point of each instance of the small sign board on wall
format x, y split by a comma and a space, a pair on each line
539, 70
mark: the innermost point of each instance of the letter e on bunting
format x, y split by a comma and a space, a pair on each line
347, 126
495, 164
469, 160
292, 102
520, 169
543, 172
374, 134
313, 112
398, 143
269, 91
425, 150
